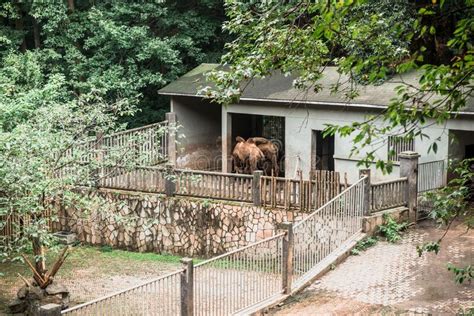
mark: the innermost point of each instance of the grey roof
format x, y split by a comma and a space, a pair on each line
279, 88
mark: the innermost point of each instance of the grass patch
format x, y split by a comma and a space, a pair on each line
108, 252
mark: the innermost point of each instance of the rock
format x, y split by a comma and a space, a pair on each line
17, 306
34, 293
22, 292
56, 288
50, 310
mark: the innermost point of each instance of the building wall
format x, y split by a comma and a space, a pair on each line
301, 120
204, 122
200, 123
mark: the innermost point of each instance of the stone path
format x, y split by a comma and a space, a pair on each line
392, 278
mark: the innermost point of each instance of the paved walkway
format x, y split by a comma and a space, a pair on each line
391, 278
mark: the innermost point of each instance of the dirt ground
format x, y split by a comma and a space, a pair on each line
390, 279
91, 272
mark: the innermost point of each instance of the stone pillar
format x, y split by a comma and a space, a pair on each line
172, 130
367, 190
170, 180
187, 287
409, 169
256, 188
226, 142
287, 257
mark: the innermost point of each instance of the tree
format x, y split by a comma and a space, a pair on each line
48, 147
118, 48
368, 44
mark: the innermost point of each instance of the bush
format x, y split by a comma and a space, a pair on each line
363, 245
391, 229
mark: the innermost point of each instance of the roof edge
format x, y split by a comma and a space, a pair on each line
339, 104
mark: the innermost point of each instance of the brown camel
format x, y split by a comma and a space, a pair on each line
270, 151
246, 156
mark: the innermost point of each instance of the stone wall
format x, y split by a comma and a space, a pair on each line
184, 226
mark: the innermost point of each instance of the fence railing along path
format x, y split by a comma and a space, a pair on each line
431, 175
160, 296
248, 276
325, 230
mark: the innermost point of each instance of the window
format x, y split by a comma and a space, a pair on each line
397, 145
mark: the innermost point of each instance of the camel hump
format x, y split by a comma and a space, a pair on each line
239, 139
260, 140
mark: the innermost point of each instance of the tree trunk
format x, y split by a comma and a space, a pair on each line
19, 27
70, 4
38, 252
36, 33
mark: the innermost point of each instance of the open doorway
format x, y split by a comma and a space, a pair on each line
322, 151
269, 127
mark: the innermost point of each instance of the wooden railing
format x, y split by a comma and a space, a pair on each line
12, 226
304, 194
388, 194
145, 179
226, 186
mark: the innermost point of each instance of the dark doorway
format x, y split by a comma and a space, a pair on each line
469, 152
322, 151
270, 127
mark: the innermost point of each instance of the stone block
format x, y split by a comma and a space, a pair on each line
65, 237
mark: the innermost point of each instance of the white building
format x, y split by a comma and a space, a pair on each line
272, 108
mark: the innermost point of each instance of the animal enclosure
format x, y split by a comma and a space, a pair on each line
271, 128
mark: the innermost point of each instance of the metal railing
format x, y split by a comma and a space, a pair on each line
246, 277
145, 146
431, 175
325, 230
388, 194
149, 144
161, 296
238, 279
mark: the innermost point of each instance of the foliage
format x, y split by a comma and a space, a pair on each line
364, 244
120, 48
452, 201
391, 229
368, 44
450, 204
47, 147
462, 274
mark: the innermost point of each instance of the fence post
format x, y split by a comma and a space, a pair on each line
256, 188
187, 287
287, 257
99, 171
409, 169
170, 180
171, 118
367, 198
